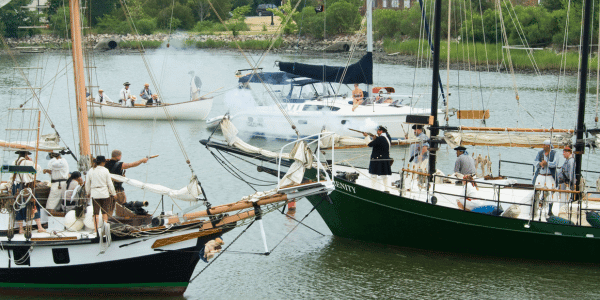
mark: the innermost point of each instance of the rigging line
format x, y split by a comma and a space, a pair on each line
300, 222
249, 162
597, 75
230, 167
215, 259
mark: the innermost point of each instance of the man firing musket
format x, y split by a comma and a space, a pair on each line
364, 133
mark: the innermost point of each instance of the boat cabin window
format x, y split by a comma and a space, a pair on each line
21, 256
319, 108
61, 256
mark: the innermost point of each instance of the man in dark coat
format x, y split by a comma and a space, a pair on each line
381, 163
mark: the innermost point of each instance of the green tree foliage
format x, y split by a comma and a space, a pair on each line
535, 26
100, 8
283, 12
342, 17
146, 26
113, 24
59, 22
12, 16
182, 17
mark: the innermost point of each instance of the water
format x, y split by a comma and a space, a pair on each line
307, 264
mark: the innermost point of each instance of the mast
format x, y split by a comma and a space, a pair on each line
369, 34
434, 131
585, 47
82, 117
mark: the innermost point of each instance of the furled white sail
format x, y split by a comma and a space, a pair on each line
454, 139
230, 133
195, 86
48, 142
188, 193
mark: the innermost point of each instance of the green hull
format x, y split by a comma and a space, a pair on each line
360, 213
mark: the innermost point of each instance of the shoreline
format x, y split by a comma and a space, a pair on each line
292, 45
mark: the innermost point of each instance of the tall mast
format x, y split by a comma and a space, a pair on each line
82, 117
437, 20
585, 47
369, 34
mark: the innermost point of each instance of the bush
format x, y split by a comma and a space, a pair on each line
146, 26
181, 13
136, 44
112, 24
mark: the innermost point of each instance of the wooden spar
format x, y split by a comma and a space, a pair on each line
229, 207
20, 146
473, 114
557, 190
463, 143
470, 128
229, 219
78, 70
184, 237
415, 172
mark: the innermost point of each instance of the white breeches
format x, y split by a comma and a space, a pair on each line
375, 184
56, 194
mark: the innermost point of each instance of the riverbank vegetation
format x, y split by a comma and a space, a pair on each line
246, 45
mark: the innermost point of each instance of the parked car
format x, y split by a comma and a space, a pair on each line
261, 9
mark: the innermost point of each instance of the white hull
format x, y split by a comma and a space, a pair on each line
268, 121
192, 110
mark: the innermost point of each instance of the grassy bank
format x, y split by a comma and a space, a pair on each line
546, 59
246, 45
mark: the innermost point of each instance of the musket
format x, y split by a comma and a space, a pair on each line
370, 134
152, 156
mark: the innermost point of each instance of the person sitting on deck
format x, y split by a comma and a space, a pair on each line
147, 95
103, 98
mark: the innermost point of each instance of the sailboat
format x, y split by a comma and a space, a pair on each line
156, 258
422, 209
313, 101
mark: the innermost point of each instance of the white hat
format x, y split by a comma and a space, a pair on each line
547, 142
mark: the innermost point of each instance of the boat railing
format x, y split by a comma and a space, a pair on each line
322, 171
515, 163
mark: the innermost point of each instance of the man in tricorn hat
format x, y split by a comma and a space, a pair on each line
125, 97
419, 151
58, 168
381, 163
465, 164
21, 181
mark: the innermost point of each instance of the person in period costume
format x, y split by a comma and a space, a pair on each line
381, 163
147, 95
357, 97
103, 98
74, 190
115, 166
99, 186
125, 97
22, 181
566, 177
419, 151
546, 162
465, 164
58, 168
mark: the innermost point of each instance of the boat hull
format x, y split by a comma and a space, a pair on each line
128, 267
359, 213
193, 110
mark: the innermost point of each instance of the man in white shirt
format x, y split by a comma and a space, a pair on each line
126, 99
21, 181
103, 98
58, 168
99, 186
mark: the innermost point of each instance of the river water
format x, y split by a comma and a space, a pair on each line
309, 264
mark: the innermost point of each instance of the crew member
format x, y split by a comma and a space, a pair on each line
21, 181
115, 166
381, 163
147, 95
99, 186
465, 164
545, 165
58, 168
419, 150
126, 99
357, 97
566, 176
103, 98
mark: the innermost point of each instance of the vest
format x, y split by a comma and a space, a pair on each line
539, 157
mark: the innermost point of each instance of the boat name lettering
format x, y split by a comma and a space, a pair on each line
345, 187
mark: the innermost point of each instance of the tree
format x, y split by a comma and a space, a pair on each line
99, 8
342, 17
183, 14
12, 16
283, 13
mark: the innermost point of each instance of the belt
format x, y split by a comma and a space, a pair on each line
545, 174
57, 180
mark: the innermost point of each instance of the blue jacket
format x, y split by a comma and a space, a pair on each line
552, 163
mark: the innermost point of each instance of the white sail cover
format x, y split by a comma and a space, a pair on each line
454, 139
48, 142
188, 193
328, 140
230, 133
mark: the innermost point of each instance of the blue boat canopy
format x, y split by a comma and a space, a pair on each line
274, 78
360, 72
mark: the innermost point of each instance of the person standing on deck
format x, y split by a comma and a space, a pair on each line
99, 186
126, 99
22, 181
115, 166
566, 177
465, 164
381, 163
419, 151
58, 168
357, 97
545, 165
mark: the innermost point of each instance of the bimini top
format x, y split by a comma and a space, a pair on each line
360, 72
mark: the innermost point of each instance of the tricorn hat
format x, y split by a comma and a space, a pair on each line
51, 155
100, 159
568, 148
382, 128
23, 152
126, 83
460, 148
417, 126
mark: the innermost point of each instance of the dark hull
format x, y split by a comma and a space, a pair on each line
164, 273
364, 214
